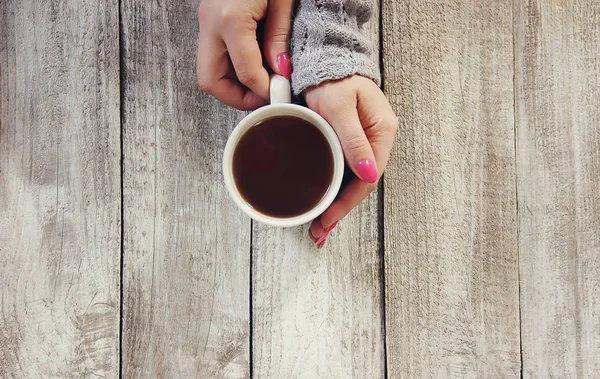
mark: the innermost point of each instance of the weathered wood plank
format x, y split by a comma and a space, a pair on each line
450, 227
186, 263
558, 165
318, 313
59, 189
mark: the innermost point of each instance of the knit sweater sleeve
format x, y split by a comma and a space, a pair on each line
327, 42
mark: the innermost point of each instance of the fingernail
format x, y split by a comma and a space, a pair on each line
317, 227
320, 230
320, 242
284, 62
367, 171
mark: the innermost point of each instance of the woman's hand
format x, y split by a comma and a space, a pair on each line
229, 63
366, 125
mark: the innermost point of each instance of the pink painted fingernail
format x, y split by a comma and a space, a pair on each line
284, 62
367, 171
320, 242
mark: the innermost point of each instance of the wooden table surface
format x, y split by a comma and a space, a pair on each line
121, 253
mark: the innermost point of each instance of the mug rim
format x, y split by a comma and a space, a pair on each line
274, 110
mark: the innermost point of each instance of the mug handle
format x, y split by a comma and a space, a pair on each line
280, 90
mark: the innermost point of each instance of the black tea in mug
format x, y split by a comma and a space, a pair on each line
283, 166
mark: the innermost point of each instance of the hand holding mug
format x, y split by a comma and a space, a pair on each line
230, 67
229, 62
366, 125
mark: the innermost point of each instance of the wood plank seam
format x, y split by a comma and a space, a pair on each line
251, 312
122, 166
515, 115
381, 240
380, 209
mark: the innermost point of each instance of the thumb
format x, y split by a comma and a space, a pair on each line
357, 149
277, 34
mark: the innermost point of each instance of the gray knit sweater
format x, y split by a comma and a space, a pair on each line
327, 42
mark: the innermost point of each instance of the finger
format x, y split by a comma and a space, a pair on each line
356, 191
247, 60
316, 229
233, 94
212, 66
277, 35
379, 122
357, 149
318, 234
381, 139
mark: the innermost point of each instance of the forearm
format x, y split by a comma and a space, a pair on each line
327, 43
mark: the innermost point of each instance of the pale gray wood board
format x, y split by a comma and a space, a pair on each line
450, 215
558, 166
186, 246
319, 313
60, 191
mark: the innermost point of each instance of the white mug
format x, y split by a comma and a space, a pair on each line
281, 106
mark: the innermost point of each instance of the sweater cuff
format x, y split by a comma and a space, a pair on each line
336, 63
327, 43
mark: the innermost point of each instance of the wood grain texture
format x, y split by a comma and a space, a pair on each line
186, 264
558, 165
450, 226
318, 313
59, 189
